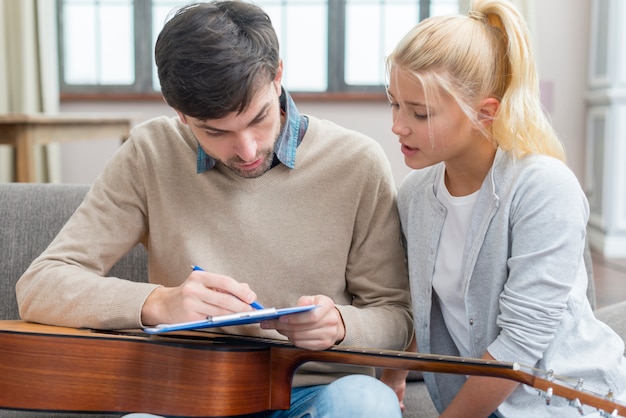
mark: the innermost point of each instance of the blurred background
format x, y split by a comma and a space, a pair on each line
94, 58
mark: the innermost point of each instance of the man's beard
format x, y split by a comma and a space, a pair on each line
234, 163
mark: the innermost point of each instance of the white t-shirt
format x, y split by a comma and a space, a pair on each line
448, 283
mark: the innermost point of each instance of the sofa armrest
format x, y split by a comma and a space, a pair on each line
615, 317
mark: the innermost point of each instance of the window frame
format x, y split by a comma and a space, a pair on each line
142, 88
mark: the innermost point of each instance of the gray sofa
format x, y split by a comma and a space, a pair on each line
32, 214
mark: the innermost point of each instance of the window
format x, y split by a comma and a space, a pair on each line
328, 46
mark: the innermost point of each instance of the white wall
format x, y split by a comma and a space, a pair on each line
81, 162
561, 37
560, 34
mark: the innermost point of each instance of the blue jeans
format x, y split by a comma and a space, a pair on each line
351, 396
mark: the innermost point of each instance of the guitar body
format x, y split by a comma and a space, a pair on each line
199, 374
63, 369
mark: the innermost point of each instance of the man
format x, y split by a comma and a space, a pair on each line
242, 185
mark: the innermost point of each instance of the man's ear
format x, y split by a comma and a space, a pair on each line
279, 77
181, 116
487, 110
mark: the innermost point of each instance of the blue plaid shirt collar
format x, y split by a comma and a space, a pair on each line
290, 136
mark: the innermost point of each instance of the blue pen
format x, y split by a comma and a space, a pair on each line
255, 304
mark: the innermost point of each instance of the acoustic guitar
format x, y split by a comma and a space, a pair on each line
196, 374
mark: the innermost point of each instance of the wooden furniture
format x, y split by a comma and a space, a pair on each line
25, 131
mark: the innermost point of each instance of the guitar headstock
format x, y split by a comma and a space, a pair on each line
549, 385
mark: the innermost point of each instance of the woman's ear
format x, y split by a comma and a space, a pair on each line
487, 110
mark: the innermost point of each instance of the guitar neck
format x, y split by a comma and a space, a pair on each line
413, 361
286, 359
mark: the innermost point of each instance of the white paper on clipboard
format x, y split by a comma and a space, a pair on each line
240, 318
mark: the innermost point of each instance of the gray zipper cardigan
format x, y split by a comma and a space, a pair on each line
524, 281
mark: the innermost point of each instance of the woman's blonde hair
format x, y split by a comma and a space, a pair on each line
484, 54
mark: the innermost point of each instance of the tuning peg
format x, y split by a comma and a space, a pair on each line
548, 396
579, 385
607, 415
548, 393
577, 404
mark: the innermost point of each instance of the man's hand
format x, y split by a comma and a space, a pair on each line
317, 329
201, 295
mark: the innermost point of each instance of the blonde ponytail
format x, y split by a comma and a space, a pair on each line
484, 54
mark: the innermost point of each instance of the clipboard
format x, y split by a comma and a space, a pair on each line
239, 318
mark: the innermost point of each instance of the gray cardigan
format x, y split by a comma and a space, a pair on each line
525, 280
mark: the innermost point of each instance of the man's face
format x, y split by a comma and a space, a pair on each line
243, 142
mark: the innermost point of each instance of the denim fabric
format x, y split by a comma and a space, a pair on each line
351, 396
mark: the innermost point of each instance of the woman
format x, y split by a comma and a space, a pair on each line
495, 222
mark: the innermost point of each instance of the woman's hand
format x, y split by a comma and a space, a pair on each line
396, 380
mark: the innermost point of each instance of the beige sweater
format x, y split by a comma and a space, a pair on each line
329, 226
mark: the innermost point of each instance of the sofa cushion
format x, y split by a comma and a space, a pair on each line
32, 215
615, 317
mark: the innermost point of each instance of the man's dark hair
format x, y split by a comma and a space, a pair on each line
213, 57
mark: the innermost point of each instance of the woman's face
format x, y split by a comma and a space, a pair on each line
429, 131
